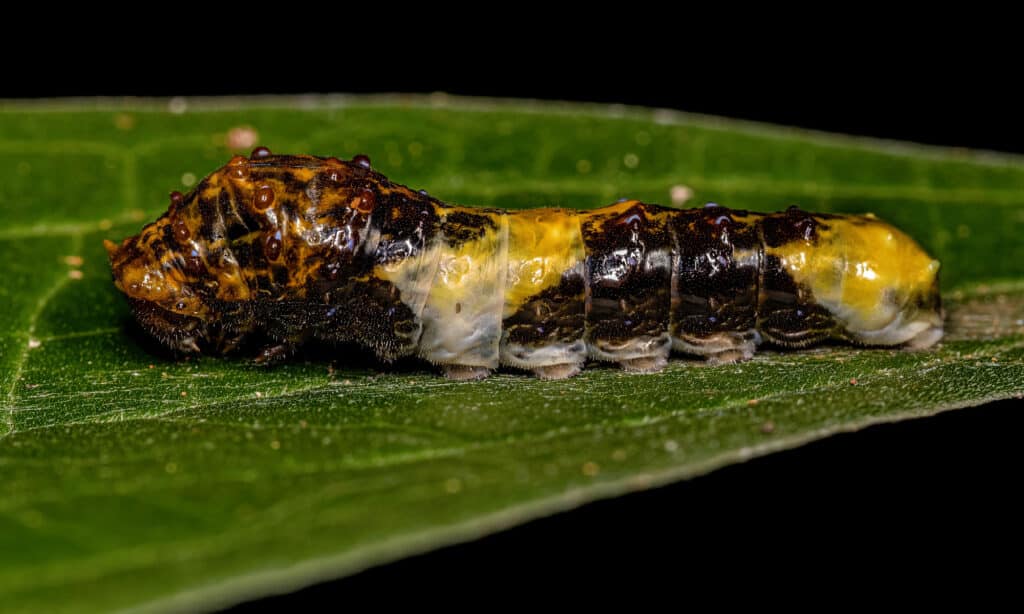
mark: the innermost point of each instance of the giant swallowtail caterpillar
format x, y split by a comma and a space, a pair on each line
299, 247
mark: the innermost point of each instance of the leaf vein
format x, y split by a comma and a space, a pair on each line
33, 319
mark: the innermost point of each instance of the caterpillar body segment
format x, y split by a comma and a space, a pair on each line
297, 248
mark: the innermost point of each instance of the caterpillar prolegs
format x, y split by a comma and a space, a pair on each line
298, 248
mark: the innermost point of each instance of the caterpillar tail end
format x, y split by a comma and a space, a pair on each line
926, 338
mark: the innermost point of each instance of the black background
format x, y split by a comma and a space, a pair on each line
943, 98
919, 505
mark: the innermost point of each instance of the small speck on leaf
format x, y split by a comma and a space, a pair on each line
680, 195
242, 137
124, 121
177, 105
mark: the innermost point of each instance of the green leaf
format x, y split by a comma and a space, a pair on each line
130, 479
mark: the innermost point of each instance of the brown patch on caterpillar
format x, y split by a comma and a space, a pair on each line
272, 246
716, 269
409, 222
555, 315
365, 202
628, 249
462, 226
264, 197
791, 225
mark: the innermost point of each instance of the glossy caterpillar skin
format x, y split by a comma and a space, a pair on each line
301, 247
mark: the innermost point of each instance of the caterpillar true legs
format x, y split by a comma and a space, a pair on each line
296, 248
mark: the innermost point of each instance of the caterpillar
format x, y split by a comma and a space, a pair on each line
299, 248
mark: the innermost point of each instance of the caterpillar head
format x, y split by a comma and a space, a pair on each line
291, 223
880, 286
159, 279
